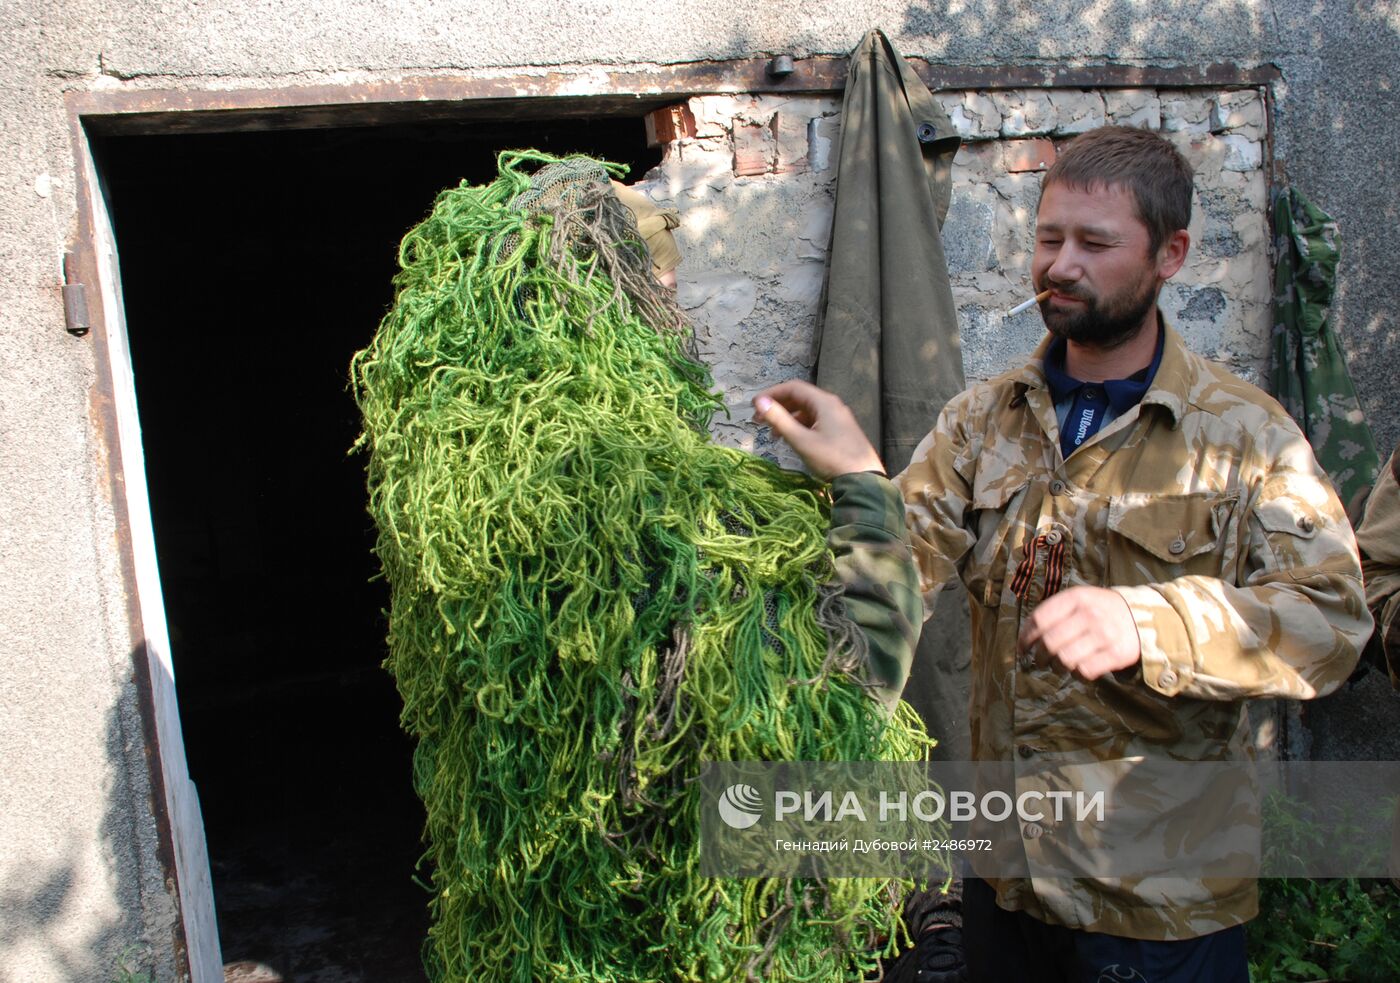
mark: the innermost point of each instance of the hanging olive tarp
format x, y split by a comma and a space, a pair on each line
589, 599
888, 341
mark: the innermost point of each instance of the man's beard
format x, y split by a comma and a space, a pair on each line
1101, 324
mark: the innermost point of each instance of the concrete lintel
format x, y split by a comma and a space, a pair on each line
591, 92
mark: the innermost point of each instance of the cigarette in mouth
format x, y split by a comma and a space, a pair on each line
1026, 304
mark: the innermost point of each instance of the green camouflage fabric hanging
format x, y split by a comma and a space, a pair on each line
1309, 371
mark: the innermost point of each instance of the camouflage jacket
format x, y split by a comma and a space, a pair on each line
1205, 509
1379, 538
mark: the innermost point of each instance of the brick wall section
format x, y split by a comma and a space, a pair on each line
755, 185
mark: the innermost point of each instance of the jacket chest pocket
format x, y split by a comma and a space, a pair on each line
995, 506
1153, 538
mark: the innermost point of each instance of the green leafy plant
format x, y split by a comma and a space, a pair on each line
1320, 930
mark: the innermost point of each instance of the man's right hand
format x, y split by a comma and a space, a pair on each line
819, 427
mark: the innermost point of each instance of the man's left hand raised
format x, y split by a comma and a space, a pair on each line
1089, 631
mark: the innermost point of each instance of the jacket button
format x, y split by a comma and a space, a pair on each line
1057, 487
1167, 678
1053, 537
1033, 831
1305, 523
1026, 662
1177, 547
1025, 750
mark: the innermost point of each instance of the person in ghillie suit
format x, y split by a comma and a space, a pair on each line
590, 599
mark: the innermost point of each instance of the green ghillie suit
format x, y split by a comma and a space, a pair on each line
589, 599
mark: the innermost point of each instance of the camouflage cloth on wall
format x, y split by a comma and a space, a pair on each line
888, 329
1309, 371
1204, 507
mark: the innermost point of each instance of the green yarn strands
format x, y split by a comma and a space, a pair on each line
589, 599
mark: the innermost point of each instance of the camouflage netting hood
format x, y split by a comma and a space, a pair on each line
589, 599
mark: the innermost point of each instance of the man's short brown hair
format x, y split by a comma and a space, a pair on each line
1140, 161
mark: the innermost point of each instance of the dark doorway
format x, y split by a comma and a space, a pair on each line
253, 266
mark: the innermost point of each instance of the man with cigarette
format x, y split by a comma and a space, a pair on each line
1147, 541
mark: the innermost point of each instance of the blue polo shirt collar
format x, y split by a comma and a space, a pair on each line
1120, 395
1123, 394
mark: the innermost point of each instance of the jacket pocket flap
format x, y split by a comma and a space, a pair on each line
1288, 515
995, 492
1173, 528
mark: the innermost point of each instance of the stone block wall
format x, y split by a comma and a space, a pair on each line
755, 188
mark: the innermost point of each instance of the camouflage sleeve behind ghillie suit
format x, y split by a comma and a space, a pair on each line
1379, 539
876, 570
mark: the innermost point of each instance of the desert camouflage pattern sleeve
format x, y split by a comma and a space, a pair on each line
1378, 535
877, 575
1293, 621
